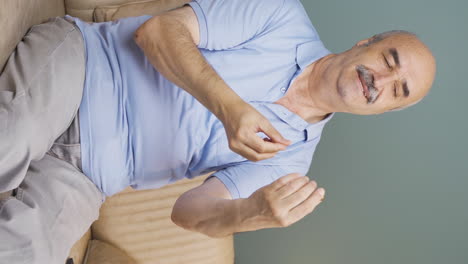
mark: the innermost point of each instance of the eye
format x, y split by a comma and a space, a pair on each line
394, 90
386, 62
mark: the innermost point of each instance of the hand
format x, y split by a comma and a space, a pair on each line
241, 123
285, 201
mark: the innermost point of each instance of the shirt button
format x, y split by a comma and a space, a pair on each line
283, 89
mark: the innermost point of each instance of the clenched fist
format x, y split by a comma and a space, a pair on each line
284, 202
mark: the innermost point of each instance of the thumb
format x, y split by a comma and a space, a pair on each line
273, 134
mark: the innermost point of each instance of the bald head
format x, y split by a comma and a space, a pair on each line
388, 71
420, 59
381, 36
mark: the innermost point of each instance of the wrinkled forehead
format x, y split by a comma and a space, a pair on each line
416, 63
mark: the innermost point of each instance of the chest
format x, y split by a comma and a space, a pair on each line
254, 74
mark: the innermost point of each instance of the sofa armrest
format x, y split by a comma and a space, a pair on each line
78, 251
113, 9
139, 224
152, 7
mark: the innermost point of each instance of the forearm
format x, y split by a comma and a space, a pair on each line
171, 49
215, 217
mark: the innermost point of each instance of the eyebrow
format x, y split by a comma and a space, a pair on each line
394, 53
396, 58
405, 89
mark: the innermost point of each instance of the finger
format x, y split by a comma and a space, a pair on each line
280, 182
269, 146
300, 195
291, 187
259, 145
272, 133
252, 155
308, 205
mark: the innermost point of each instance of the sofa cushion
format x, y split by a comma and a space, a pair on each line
84, 9
16, 17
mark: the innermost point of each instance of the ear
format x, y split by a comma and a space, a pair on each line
365, 41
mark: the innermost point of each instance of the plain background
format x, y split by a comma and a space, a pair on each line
396, 183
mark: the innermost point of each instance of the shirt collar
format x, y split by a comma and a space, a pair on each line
311, 130
308, 52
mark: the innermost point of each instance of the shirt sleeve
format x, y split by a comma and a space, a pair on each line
244, 179
227, 23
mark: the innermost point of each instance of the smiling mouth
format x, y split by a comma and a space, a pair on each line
364, 88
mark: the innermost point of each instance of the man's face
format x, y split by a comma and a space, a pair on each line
392, 73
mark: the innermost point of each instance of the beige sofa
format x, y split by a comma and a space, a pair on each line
134, 226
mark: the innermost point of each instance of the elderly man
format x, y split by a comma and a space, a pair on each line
166, 97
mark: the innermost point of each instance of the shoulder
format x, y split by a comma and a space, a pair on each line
252, 7
293, 10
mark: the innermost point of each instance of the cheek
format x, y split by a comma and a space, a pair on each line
384, 105
343, 82
348, 87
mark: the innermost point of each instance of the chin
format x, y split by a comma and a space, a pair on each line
348, 97
346, 84
344, 90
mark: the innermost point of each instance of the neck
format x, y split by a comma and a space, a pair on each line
304, 96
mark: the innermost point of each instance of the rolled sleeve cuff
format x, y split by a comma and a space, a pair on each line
202, 24
227, 181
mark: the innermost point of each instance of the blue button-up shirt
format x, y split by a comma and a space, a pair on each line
139, 129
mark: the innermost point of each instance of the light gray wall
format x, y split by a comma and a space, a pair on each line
397, 184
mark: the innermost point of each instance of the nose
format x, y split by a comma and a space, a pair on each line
385, 79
